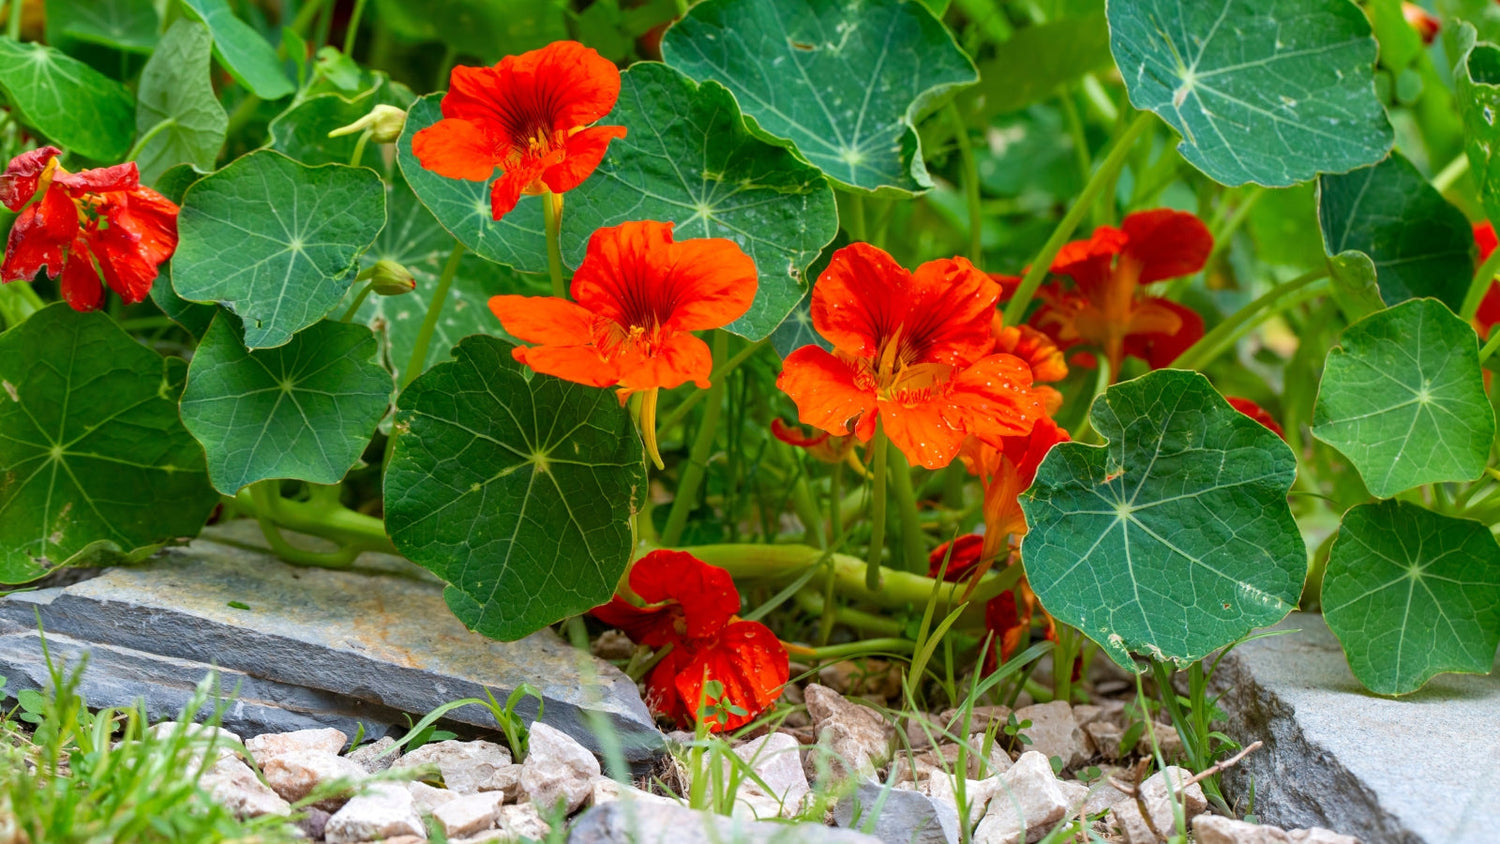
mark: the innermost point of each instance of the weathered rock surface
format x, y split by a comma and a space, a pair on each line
377, 638
383, 811
296, 774
631, 822
1415, 770
1136, 828
776, 759
465, 766
525, 821
1054, 732
234, 786
326, 740
469, 814
427, 798
856, 737
905, 817
1028, 800
557, 769
373, 756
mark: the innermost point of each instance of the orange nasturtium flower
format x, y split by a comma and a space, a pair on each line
637, 297
527, 115
692, 607
83, 225
1489, 307
1256, 412
912, 351
1106, 306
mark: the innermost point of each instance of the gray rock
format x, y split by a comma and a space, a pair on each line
373, 756
776, 758
1214, 829
523, 820
630, 822
1054, 732
607, 790
1318, 835
1027, 803
1127, 817
383, 811
466, 766
326, 740
557, 769
296, 774
232, 784
898, 817
468, 815
427, 798
856, 738
977, 793
380, 635
1416, 769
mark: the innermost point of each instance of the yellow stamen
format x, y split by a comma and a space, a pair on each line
648, 426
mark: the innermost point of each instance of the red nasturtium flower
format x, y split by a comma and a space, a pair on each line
1256, 412
691, 606
1107, 308
821, 445
911, 350
1489, 307
84, 225
527, 115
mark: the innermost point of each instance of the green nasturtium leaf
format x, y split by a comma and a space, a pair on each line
517, 489
1355, 286
1040, 59
92, 455
303, 411
192, 316
1267, 91
688, 159
275, 241
842, 82
462, 207
1173, 540
243, 52
128, 25
176, 105
1403, 398
489, 29
1411, 594
1420, 244
1477, 80
70, 103
302, 130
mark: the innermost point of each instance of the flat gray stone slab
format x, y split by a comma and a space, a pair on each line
1421, 768
377, 637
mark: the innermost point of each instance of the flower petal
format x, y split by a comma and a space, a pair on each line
1256, 412
751, 664
125, 268
456, 149
706, 593
1169, 330
859, 299
544, 319
996, 398
713, 283
38, 236
121, 177
149, 216
579, 364
1166, 243
661, 688
506, 191
623, 266
79, 281
22, 174
676, 358
950, 308
1088, 262
653, 626
823, 388
928, 433
581, 155
480, 95
966, 553
571, 84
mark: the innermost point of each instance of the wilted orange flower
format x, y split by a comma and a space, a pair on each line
526, 115
692, 608
1256, 412
911, 350
83, 225
1105, 306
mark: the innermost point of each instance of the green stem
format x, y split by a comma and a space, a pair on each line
434, 311
13, 25
359, 147
1086, 424
1452, 173
358, 300
1081, 155
265, 497
970, 182
305, 16
835, 499
913, 549
1490, 346
1480, 285
861, 648
855, 225
353, 30
1210, 345
1224, 233
703, 443
552, 216
242, 114
146, 138
877, 509
679, 412
1016, 310
328, 520
866, 621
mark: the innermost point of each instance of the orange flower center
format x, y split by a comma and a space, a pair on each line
896, 376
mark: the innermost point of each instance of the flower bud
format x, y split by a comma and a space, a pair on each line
388, 278
384, 123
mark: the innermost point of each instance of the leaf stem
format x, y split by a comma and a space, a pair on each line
327, 519
1212, 344
1490, 346
913, 549
552, 216
851, 649
13, 24
1225, 232
855, 225
358, 300
971, 183
880, 446
1452, 173
359, 147
265, 496
242, 114
135, 151
418, 357
1016, 309
353, 29
675, 418
1479, 286
703, 442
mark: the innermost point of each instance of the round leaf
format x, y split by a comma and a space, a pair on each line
93, 454
1403, 398
1420, 244
242, 51
275, 241
303, 411
177, 95
1265, 91
1411, 594
689, 160
1173, 540
842, 82
1477, 80
463, 207
515, 488
80, 108
129, 25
